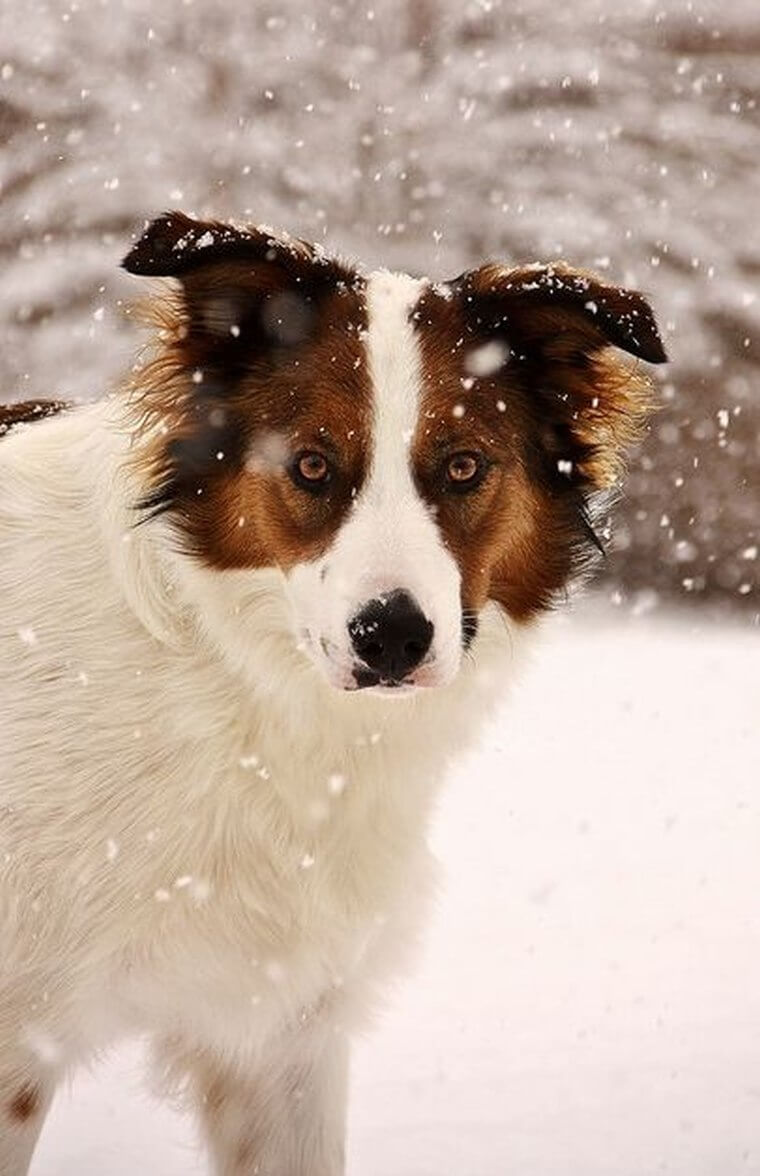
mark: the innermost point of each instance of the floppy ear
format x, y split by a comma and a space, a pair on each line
174, 245
246, 296
544, 299
560, 325
241, 285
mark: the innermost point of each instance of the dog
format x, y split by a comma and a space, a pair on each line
251, 605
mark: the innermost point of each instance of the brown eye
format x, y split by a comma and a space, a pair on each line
311, 471
313, 467
464, 471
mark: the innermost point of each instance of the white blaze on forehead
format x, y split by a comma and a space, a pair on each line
390, 539
395, 368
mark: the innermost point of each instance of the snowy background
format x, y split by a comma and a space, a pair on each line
588, 1001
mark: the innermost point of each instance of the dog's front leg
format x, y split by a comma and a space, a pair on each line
284, 1117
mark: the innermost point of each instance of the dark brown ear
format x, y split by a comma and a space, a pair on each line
561, 327
248, 299
173, 245
243, 286
541, 300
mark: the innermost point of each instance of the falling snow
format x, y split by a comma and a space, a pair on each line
488, 359
336, 784
587, 990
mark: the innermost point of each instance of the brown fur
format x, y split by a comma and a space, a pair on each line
259, 399
553, 421
262, 351
25, 1103
26, 411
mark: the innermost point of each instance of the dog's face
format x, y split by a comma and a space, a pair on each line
404, 452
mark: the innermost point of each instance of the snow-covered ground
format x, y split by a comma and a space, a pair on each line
588, 1000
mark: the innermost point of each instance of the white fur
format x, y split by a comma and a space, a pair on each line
391, 540
200, 838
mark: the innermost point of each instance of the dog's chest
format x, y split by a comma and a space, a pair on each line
250, 916
232, 979
228, 865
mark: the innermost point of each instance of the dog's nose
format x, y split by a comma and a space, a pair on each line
391, 635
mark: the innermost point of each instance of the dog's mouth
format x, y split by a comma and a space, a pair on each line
356, 677
426, 676
366, 679
384, 687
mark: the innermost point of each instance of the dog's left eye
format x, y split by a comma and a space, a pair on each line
464, 471
311, 470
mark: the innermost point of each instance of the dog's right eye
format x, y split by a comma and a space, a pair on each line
311, 471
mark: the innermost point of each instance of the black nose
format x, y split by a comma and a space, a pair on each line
391, 635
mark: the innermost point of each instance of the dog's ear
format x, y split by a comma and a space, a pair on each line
549, 300
241, 285
561, 325
175, 245
248, 300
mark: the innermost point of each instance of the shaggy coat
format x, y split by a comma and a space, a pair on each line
250, 606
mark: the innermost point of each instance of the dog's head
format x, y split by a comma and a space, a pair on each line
403, 451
